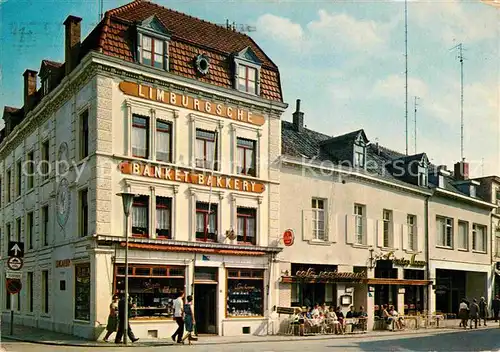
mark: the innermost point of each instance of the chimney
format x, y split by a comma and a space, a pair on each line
72, 42
29, 88
462, 170
298, 118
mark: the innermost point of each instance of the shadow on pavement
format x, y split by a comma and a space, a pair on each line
468, 340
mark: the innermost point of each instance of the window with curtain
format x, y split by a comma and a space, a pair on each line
153, 52
463, 238
163, 216
163, 141
444, 231
246, 156
479, 238
140, 216
411, 222
140, 127
206, 153
247, 79
206, 222
247, 225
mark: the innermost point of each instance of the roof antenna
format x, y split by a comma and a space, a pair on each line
239, 27
460, 57
415, 120
406, 74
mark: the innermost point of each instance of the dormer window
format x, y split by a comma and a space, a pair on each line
247, 79
152, 43
247, 71
359, 155
45, 85
153, 53
422, 175
440, 181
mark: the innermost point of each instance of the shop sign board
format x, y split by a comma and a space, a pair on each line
188, 176
404, 262
288, 237
192, 103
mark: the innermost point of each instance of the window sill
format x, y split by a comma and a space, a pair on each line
462, 249
359, 245
411, 251
479, 252
319, 242
444, 247
388, 249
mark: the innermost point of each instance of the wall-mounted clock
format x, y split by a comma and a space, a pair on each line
63, 198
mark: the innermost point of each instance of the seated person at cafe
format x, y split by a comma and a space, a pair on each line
398, 321
332, 319
351, 313
340, 315
315, 312
324, 308
386, 316
362, 318
362, 313
308, 313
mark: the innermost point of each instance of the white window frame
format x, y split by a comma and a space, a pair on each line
359, 155
465, 240
388, 227
411, 223
149, 32
359, 228
476, 228
423, 176
316, 211
241, 60
447, 224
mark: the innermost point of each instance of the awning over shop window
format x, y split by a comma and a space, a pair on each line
399, 282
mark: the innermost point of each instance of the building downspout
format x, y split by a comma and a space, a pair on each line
427, 252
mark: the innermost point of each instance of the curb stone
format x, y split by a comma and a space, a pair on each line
263, 340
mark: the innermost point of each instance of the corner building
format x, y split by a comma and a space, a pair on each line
185, 115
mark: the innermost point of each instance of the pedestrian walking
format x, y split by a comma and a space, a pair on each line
496, 307
463, 314
112, 318
189, 320
121, 321
178, 317
473, 313
483, 311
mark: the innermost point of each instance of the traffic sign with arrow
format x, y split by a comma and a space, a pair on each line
16, 249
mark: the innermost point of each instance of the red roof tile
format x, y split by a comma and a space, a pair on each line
190, 37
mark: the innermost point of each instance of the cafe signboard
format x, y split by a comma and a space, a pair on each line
188, 176
412, 262
196, 104
310, 275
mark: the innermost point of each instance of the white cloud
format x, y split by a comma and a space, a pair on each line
281, 30
393, 87
456, 24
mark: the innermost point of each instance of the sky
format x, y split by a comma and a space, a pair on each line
343, 59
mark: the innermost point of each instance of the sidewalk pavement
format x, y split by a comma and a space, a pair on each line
46, 337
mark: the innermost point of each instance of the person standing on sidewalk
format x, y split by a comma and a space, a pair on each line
189, 320
473, 313
121, 321
496, 307
178, 317
483, 311
463, 314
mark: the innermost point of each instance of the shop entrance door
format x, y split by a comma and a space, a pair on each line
205, 308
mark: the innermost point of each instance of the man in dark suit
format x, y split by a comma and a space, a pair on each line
121, 321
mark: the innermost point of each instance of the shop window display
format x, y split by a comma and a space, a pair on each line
245, 293
152, 289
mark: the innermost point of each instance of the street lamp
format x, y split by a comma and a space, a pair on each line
127, 199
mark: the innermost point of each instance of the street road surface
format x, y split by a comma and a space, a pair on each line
470, 340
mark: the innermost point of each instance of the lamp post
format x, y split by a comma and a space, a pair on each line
127, 199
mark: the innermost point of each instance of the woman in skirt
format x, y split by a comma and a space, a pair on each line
189, 319
112, 318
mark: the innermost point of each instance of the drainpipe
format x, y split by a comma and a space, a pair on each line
427, 251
